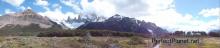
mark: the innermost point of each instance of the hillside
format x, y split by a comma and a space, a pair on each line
126, 24
26, 23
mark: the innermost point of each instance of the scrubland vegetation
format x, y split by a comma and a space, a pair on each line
34, 37
88, 41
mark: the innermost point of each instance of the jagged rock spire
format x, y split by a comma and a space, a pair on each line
29, 12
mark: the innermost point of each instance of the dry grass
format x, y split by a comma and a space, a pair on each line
205, 42
98, 42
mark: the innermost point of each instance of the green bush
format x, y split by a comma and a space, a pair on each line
73, 43
1, 39
135, 40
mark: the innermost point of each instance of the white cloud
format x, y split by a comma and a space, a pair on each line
56, 6
28, 8
24, 8
41, 2
100, 8
16, 3
161, 12
87, 8
69, 2
7, 11
57, 15
210, 12
72, 3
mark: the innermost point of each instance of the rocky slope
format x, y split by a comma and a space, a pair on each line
26, 23
126, 24
25, 18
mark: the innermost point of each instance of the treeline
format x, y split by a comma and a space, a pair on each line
196, 33
70, 33
35, 30
29, 30
18, 30
214, 34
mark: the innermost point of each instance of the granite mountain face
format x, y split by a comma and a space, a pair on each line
25, 18
114, 23
126, 24
26, 23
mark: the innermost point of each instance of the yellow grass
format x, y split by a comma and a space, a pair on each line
72, 42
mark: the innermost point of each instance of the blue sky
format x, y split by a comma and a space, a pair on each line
186, 14
195, 6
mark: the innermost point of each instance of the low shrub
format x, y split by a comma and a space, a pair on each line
135, 40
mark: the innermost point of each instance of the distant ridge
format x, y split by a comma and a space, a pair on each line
126, 24
25, 18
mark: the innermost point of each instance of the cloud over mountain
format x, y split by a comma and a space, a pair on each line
16, 3
210, 12
165, 13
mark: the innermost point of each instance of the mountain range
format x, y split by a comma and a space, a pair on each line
115, 23
25, 18
126, 24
